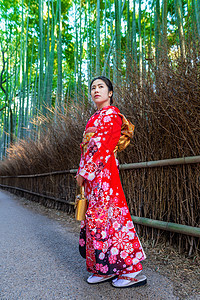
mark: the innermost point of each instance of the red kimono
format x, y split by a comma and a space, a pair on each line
108, 239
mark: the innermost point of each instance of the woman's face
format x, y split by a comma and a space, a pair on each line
100, 94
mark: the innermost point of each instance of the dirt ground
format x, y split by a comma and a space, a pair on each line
182, 271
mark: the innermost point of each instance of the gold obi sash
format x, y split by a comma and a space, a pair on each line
127, 130
86, 138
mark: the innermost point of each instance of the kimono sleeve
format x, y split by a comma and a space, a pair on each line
101, 145
81, 164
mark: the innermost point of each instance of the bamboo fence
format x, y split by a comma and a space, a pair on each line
166, 191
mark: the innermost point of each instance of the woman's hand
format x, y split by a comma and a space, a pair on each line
79, 179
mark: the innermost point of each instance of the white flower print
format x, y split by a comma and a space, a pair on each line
112, 259
124, 229
120, 240
90, 166
107, 198
110, 212
124, 210
91, 176
107, 173
107, 158
129, 225
114, 251
131, 235
135, 261
105, 186
138, 255
101, 255
98, 144
115, 200
109, 111
105, 247
103, 234
81, 242
123, 254
104, 269
129, 248
116, 225
82, 172
81, 163
107, 119
111, 191
82, 224
94, 141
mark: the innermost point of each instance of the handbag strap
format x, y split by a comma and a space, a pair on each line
82, 191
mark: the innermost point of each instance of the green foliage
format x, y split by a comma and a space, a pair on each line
20, 41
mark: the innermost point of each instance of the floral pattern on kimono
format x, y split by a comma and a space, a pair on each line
108, 239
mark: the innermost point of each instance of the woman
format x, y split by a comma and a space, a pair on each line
108, 239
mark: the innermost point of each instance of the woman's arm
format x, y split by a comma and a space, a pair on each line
79, 179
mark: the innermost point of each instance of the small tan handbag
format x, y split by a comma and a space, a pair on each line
81, 204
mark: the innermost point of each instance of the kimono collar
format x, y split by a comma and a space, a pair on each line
104, 108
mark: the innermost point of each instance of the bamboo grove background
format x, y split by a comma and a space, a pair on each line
50, 50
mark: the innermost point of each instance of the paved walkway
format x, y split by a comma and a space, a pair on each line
39, 259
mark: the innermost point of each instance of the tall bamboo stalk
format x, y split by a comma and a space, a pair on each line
140, 45
179, 16
59, 56
134, 42
197, 13
98, 40
41, 56
164, 30
157, 30
118, 41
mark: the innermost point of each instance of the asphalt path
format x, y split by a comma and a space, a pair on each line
39, 259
